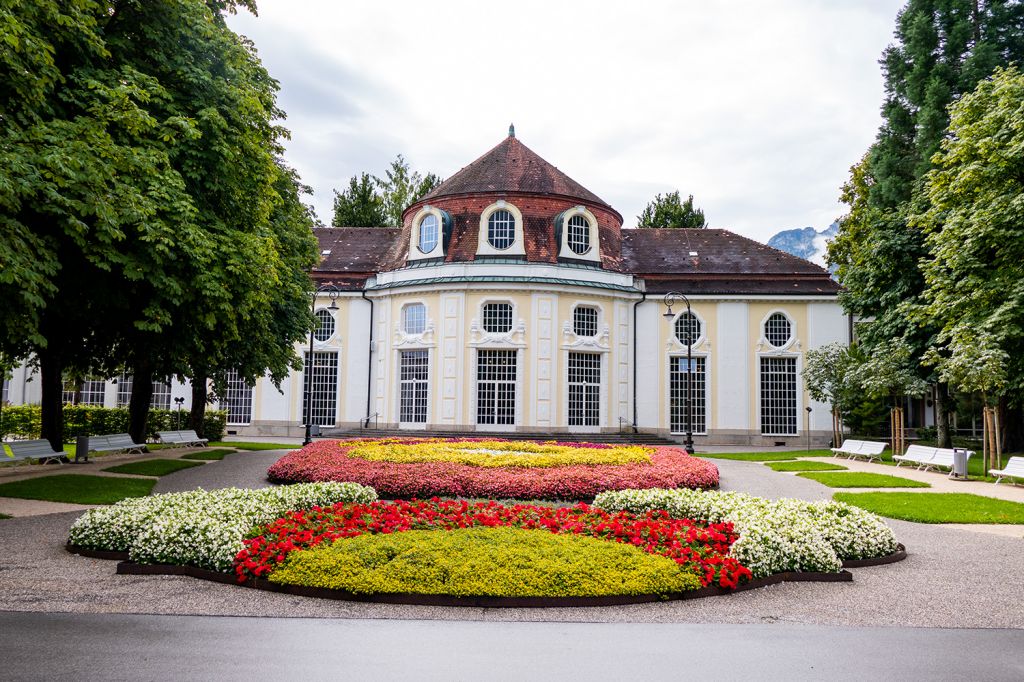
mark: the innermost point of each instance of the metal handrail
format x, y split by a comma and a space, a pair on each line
366, 422
632, 425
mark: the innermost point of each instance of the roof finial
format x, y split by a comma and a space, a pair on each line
511, 130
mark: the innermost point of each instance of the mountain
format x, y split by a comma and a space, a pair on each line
805, 242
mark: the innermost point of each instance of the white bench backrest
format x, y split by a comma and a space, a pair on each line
851, 445
872, 447
1015, 466
919, 453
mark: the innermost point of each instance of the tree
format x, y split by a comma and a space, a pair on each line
670, 211
360, 205
972, 213
891, 372
830, 377
942, 49
371, 201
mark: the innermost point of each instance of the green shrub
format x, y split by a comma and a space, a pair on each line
86, 420
488, 562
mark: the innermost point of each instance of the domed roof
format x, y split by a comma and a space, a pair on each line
511, 166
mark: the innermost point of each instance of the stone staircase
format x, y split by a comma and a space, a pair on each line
608, 438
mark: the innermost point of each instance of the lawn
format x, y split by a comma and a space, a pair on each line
770, 456
937, 507
5, 516
255, 446
207, 455
858, 479
804, 466
152, 467
77, 488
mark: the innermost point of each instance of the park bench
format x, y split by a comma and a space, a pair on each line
181, 439
115, 442
943, 457
916, 455
855, 449
1013, 469
26, 450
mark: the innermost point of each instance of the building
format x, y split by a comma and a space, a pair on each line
512, 300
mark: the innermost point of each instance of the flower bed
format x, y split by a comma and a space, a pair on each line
488, 562
199, 528
483, 452
702, 550
327, 461
774, 535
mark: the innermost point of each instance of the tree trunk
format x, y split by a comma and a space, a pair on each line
51, 372
944, 436
1013, 422
198, 414
138, 406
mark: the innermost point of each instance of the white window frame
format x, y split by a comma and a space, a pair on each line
401, 382
597, 322
799, 393
764, 329
337, 384
518, 246
513, 320
235, 393
700, 320
403, 317
602, 391
518, 394
594, 252
414, 235
675, 356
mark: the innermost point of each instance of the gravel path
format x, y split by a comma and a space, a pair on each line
952, 578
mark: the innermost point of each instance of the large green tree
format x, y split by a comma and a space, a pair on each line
942, 49
671, 211
137, 189
372, 201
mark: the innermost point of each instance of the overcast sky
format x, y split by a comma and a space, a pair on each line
756, 107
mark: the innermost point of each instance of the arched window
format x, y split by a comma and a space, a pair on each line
584, 321
501, 229
497, 318
579, 235
428, 233
688, 329
325, 327
414, 318
778, 330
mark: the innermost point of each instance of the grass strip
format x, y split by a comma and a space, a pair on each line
208, 455
77, 488
770, 456
937, 507
859, 479
152, 467
255, 446
804, 466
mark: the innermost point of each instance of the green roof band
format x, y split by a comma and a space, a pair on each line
521, 280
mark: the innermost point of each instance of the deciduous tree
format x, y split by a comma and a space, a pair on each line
671, 211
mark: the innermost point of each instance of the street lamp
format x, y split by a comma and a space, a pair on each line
332, 291
670, 299
179, 401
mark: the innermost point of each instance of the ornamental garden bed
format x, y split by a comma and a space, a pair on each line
487, 468
335, 540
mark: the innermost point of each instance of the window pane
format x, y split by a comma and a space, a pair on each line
578, 235
497, 318
679, 375
778, 330
584, 321
496, 387
584, 389
501, 229
414, 373
687, 329
325, 329
428, 233
414, 318
323, 398
778, 396
237, 399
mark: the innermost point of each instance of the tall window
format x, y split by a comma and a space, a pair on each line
237, 399
579, 235
323, 396
584, 389
778, 330
687, 329
414, 318
161, 392
428, 233
496, 387
584, 321
93, 391
5, 395
413, 372
501, 229
778, 396
325, 325
124, 390
497, 318
678, 395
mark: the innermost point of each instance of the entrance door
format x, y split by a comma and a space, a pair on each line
495, 389
584, 391
413, 390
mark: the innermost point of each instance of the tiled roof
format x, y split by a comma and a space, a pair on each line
352, 254
512, 167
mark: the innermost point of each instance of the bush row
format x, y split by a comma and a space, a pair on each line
24, 421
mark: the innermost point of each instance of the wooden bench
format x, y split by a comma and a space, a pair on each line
182, 439
855, 449
27, 450
115, 442
1013, 469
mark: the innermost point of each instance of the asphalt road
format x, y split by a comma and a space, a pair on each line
134, 647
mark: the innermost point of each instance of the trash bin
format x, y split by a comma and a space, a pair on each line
82, 449
960, 464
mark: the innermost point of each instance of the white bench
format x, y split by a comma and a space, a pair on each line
1013, 469
855, 449
115, 442
915, 455
182, 439
26, 450
943, 457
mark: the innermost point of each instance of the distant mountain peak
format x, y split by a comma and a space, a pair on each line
805, 242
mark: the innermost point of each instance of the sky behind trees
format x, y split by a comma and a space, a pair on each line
756, 108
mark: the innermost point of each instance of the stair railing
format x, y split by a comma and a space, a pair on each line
623, 420
366, 422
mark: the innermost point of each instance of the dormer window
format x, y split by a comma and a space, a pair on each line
428, 233
501, 231
577, 235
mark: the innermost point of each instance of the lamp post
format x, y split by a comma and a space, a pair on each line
311, 362
178, 401
670, 299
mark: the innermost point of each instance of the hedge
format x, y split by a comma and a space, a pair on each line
86, 420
